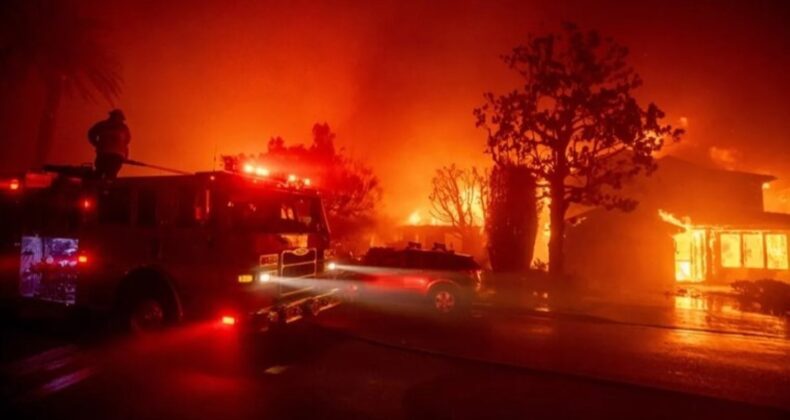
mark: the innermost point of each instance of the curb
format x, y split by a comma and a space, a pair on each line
583, 317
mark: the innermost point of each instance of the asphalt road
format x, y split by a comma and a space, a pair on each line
363, 364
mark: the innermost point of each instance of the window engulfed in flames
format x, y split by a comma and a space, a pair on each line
697, 248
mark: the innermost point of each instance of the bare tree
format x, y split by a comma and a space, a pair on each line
459, 198
574, 124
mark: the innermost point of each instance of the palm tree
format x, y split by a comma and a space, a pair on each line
51, 39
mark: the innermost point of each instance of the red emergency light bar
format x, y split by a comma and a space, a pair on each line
12, 184
251, 169
256, 171
29, 181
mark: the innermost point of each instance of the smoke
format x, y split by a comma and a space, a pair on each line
725, 157
397, 81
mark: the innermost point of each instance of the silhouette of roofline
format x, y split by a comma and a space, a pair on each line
755, 176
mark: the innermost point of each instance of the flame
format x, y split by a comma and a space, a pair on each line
415, 218
541, 248
672, 219
690, 248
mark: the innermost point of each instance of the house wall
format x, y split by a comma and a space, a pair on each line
621, 252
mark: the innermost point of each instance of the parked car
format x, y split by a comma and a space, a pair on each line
441, 280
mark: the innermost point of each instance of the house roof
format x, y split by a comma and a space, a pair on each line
718, 216
743, 221
601, 215
752, 220
686, 166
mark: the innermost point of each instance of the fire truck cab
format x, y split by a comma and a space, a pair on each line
153, 250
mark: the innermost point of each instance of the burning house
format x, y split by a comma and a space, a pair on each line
693, 224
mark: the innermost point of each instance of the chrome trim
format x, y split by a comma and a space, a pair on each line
296, 253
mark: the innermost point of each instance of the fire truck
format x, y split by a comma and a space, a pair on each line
240, 246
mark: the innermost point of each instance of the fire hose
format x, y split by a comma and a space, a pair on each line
161, 168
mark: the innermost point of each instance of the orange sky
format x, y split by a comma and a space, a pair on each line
397, 80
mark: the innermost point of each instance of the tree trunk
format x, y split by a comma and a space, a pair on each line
46, 126
557, 240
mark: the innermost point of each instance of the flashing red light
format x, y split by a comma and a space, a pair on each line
82, 259
228, 320
13, 185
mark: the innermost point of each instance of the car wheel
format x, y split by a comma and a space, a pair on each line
445, 300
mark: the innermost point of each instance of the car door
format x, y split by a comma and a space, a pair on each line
412, 278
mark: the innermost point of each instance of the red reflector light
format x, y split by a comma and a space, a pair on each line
228, 320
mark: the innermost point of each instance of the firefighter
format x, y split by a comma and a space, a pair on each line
111, 139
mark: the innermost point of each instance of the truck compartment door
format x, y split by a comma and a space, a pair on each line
48, 269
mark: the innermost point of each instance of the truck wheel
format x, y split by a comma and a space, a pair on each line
145, 302
445, 300
147, 314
